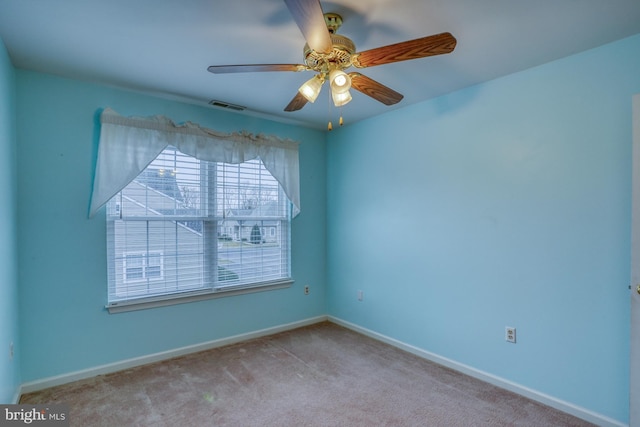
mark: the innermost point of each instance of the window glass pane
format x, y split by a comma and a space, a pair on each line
135, 261
154, 272
133, 273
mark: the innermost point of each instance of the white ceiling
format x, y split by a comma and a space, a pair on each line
164, 47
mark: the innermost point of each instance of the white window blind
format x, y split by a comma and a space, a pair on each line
186, 226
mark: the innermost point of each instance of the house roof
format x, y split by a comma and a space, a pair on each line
162, 181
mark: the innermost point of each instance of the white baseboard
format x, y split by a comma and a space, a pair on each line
545, 399
156, 357
16, 397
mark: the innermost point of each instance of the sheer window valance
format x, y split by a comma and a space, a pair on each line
128, 144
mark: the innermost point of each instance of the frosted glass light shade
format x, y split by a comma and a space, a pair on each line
340, 81
311, 88
340, 99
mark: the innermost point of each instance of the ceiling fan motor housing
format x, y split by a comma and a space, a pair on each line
333, 21
339, 57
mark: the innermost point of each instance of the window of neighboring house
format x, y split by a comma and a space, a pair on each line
141, 266
168, 231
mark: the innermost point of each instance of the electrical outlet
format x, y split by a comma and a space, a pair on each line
510, 334
306, 289
360, 295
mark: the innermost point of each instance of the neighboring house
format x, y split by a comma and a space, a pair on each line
249, 225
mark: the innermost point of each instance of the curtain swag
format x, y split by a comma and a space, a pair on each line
129, 144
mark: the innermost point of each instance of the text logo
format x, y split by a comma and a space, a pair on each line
34, 415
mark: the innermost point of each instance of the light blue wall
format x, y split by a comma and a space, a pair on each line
9, 368
62, 254
504, 204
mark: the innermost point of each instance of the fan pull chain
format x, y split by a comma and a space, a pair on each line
341, 120
329, 125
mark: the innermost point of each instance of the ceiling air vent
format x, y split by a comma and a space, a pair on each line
227, 105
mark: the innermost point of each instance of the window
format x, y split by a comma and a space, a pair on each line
187, 228
141, 266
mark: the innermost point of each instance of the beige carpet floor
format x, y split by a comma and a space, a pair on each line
321, 375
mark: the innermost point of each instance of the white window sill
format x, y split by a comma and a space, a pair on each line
184, 297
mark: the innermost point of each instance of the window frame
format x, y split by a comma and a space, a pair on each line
210, 288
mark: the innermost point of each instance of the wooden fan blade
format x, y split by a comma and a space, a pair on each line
296, 103
310, 19
413, 49
375, 90
222, 69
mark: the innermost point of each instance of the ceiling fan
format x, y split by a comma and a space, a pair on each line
329, 54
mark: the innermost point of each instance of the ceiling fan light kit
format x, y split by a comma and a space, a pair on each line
329, 54
340, 99
311, 88
340, 81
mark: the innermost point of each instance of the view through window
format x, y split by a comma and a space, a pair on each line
186, 225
